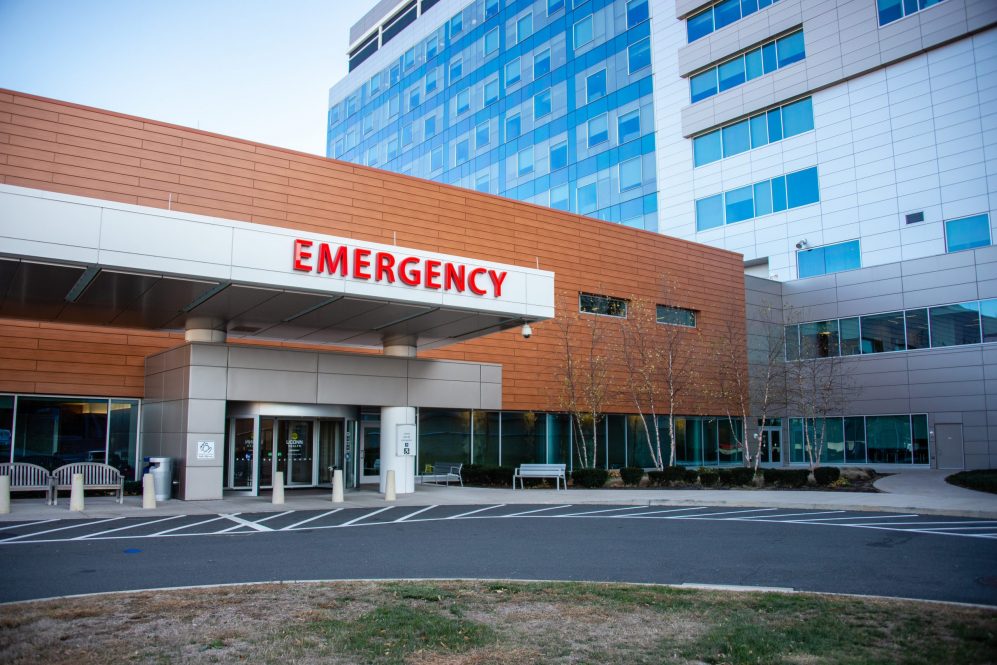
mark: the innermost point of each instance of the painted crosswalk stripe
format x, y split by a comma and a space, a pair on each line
363, 517
421, 510
472, 512
123, 528
61, 528
311, 519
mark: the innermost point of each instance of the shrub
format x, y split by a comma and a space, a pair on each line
724, 477
667, 475
590, 478
691, 476
480, 474
983, 480
825, 475
786, 477
741, 475
631, 475
708, 477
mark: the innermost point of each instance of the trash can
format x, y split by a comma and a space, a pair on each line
161, 469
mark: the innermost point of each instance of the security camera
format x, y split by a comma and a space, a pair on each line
527, 331
802, 244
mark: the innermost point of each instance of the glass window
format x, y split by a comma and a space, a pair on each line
368, 124
630, 174
952, 325
590, 303
541, 63
392, 148
541, 104
554, 5
855, 440
967, 233
790, 48
628, 126
491, 91
888, 439
753, 67
492, 7
802, 188
462, 151
739, 204
512, 126
598, 129
792, 342
559, 197
639, 55
491, 41
463, 101
842, 256
524, 27
525, 161
444, 436
436, 159
524, 437
819, 339
763, 198
778, 193
726, 13
890, 10
595, 86
413, 99
675, 316
759, 130
482, 135
850, 339
769, 62
988, 314
737, 138
700, 25
636, 12
431, 46
731, 73
706, 148
429, 126
882, 333
52, 431
6, 426
703, 85
588, 199
512, 71
558, 155
481, 184
919, 431
456, 24
798, 117
917, 329
709, 212
407, 135
583, 32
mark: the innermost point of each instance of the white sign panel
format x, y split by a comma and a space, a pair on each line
405, 446
205, 450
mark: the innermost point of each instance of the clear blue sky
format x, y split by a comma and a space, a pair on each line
255, 69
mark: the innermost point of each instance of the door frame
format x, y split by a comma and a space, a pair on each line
363, 479
962, 446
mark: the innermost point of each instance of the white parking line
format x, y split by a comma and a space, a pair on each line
937, 533
363, 517
472, 512
662, 512
184, 526
310, 519
956, 528
850, 517
61, 528
726, 512
14, 526
421, 510
605, 510
922, 523
244, 522
773, 517
528, 512
122, 528
273, 517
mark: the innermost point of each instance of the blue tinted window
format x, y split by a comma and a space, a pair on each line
431, 47
524, 27
739, 205
559, 197
541, 104
512, 71
436, 159
759, 131
704, 85
798, 117
889, 11
456, 24
802, 188
778, 194
491, 7
491, 91
628, 125
588, 199
699, 25
481, 184
775, 125
636, 12
525, 161
829, 259
706, 148
709, 212
463, 101
482, 135
559, 157
731, 73
583, 32
768, 57
737, 139
413, 99
790, 48
726, 13
967, 233
512, 126
630, 174
463, 151
640, 55
753, 64
541, 63
456, 69
763, 198
748, 7
491, 41
554, 5
595, 86
952, 325
598, 130
429, 128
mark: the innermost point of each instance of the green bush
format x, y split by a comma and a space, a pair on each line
690, 476
984, 480
786, 477
480, 474
825, 475
631, 475
741, 475
708, 477
590, 478
667, 475
771, 476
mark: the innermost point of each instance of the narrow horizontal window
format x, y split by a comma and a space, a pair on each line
793, 190
967, 233
829, 259
894, 10
676, 316
590, 303
721, 15
731, 73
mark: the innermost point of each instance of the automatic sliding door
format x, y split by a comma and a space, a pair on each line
295, 451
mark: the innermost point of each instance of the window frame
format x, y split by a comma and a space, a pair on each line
610, 302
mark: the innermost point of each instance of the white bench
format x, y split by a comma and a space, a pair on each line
446, 471
555, 471
26, 477
96, 476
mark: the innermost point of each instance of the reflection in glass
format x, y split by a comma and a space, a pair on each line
952, 325
52, 431
444, 436
883, 332
917, 329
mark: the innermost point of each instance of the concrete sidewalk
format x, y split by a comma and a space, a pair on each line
916, 491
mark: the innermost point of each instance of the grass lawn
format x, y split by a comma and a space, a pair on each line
481, 622
984, 480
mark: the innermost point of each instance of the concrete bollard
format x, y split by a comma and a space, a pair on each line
389, 486
4, 495
76, 494
278, 488
148, 491
337, 486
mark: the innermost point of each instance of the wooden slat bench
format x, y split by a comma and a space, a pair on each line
555, 471
96, 476
446, 471
26, 477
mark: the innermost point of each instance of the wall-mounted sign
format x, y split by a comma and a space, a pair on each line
205, 450
405, 443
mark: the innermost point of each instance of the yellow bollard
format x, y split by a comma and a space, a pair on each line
148, 491
76, 494
278, 488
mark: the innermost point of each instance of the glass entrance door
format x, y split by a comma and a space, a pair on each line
305, 450
370, 449
241, 453
295, 451
771, 448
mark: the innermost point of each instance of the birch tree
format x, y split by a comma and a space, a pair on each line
642, 359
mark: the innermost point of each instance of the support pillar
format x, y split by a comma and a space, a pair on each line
391, 417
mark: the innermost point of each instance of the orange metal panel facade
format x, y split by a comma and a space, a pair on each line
56, 146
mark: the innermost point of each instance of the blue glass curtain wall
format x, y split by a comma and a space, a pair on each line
889, 439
